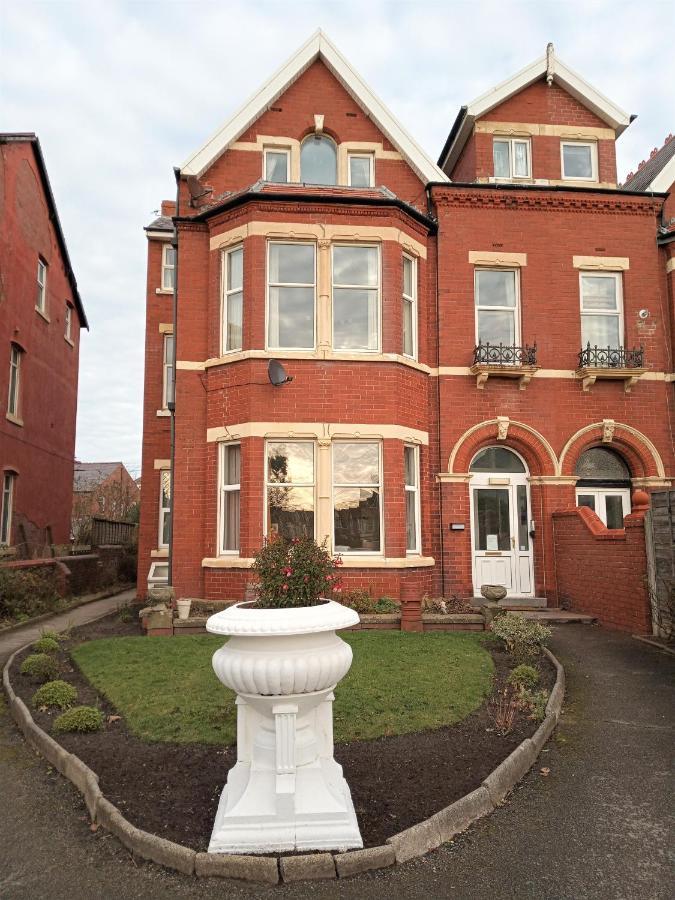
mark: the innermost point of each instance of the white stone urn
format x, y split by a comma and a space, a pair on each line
285, 792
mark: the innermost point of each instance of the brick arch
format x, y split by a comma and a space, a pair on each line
641, 456
532, 446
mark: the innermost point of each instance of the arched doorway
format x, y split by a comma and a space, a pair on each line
500, 522
604, 485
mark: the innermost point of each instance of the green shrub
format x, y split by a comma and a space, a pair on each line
46, 645
524, 676
55, 693
523, 637
533, 702
40, 667
294, 573
79, 718
25, 593
360, 601
387, 605
53, 635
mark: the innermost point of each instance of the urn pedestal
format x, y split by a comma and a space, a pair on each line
286, 792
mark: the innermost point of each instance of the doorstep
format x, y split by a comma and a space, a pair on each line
558, 617
513, 603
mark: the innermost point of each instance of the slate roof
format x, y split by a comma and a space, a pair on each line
650, 168
161, 223
88, 475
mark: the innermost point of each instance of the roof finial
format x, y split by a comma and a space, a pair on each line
550, 63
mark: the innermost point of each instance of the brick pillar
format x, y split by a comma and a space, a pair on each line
411, 605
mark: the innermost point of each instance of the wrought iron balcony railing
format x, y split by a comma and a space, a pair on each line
611, 358
504, 355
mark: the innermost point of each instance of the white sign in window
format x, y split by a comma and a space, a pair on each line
496, 296
601, 314
291, 292
233, 300
357, 488
356, 297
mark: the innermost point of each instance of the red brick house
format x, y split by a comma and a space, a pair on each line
466, 340
103, 489
41, 315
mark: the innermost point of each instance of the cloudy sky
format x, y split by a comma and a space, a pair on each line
120, 92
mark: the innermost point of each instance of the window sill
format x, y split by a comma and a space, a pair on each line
166, 291
227, 562
163, 413
159, 554
14, 419
588, 375
43, 314
383, 562
483, 371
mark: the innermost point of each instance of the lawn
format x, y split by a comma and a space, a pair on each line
399, 682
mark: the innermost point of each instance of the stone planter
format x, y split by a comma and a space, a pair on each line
493, 592
183, 607
285, 792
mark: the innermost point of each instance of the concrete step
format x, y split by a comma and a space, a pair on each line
558, 617
514, 603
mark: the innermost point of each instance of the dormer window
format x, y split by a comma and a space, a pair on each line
277, 166
511, 158
579, 160
318, 160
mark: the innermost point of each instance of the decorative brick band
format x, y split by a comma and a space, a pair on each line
408, 844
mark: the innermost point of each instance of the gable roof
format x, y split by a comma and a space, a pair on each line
317, 47
88, 476
30, 138
657, 173
555, 70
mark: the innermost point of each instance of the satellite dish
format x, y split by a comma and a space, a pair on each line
277, 374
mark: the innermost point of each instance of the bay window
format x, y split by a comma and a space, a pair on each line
230, 498
409, 307
233, 299
601, 312
496, 298
291, 294
164, 507
357, 488
511, 157
290, 489
356, 297
411, 468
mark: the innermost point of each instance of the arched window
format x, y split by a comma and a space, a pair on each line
604, 485
496, 459
318, 160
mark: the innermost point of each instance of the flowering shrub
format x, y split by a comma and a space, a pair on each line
295, 573
523, 637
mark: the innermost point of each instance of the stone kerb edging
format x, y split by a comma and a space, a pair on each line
408, 844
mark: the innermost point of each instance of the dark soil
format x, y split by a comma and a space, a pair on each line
172, 790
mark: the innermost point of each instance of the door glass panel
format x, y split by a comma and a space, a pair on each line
614, 510
523, 531
491, 519
586, 500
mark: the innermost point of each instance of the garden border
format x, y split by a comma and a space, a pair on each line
409, 844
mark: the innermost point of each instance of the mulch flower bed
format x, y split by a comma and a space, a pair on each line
172, 790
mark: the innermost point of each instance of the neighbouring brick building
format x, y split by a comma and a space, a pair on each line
474, 345
41, 315
103, 489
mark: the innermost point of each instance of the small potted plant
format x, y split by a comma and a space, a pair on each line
284, 659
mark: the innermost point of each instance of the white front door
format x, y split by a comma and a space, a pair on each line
501, 543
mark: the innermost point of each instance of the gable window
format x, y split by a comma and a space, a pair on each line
230, 492
579, 160
511, 157
409, 307
164, 508
291, 290
356, 297
41, 300
318, 160
6, 508
233, 299
357, 487
496, 297
601, 313
411, 468
68, 323
276, 166
290, 489
168, 377
360, 169
14, 381
168, 267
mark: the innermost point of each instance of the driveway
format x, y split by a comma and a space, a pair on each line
596, 826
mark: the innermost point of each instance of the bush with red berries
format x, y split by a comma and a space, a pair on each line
295, 572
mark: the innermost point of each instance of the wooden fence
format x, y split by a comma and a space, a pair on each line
112, 531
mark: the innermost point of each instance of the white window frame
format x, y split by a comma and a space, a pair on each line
412, 300
222, 490
314, 484
225, 295
287, 153
379, 485
357, 287
371, 162
618, 277
7, 508
600, 496
14, 396
594, 160
511, 141
41, 301
168, 267
68, 323
163, 511
268, 344
416, 489
154, 579
166, 366
513, 309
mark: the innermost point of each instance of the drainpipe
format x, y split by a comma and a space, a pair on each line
172, 404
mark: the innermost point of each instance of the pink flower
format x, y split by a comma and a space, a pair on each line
337, 590
288, 571
306, 578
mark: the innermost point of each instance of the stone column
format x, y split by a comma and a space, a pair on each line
324, 511
324, 311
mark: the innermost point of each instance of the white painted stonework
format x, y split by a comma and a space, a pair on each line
286, 792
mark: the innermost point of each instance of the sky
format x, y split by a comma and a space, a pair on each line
121, 92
